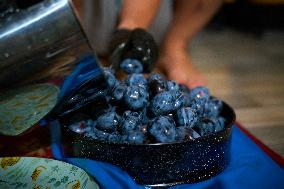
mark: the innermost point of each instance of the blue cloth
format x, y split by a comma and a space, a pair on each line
84, 71
249, 168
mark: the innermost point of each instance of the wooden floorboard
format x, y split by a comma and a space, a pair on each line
274, 131
248, 73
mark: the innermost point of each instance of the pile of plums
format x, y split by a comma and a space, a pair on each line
150, 109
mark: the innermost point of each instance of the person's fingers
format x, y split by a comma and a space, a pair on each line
118, 37
144, 48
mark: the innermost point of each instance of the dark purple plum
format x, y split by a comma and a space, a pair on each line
131, 66
108, 122
163, 129
130, 121
164, 103
156, 84
136, 98
186, 133
136, 80
186, 117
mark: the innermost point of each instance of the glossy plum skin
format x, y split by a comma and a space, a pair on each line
163, 129
152, 110
131, 66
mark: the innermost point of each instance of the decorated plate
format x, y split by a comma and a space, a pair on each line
41, 173
22, 108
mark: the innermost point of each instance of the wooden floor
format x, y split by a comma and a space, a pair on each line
248, 73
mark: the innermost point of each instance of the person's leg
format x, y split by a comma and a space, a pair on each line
190, 16
137, 13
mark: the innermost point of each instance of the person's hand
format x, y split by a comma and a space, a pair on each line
136, 44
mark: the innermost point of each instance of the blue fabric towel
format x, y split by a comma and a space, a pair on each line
249, 168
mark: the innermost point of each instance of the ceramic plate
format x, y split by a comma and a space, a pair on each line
22, 108
41, 173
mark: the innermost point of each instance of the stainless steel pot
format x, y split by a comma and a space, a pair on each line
39, 41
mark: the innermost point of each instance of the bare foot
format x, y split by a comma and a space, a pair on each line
177, 66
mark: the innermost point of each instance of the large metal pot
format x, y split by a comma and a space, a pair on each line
39, 41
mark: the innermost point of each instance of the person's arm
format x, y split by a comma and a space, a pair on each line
138, 14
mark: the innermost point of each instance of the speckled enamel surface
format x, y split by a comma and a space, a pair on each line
21, 108
160, 164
